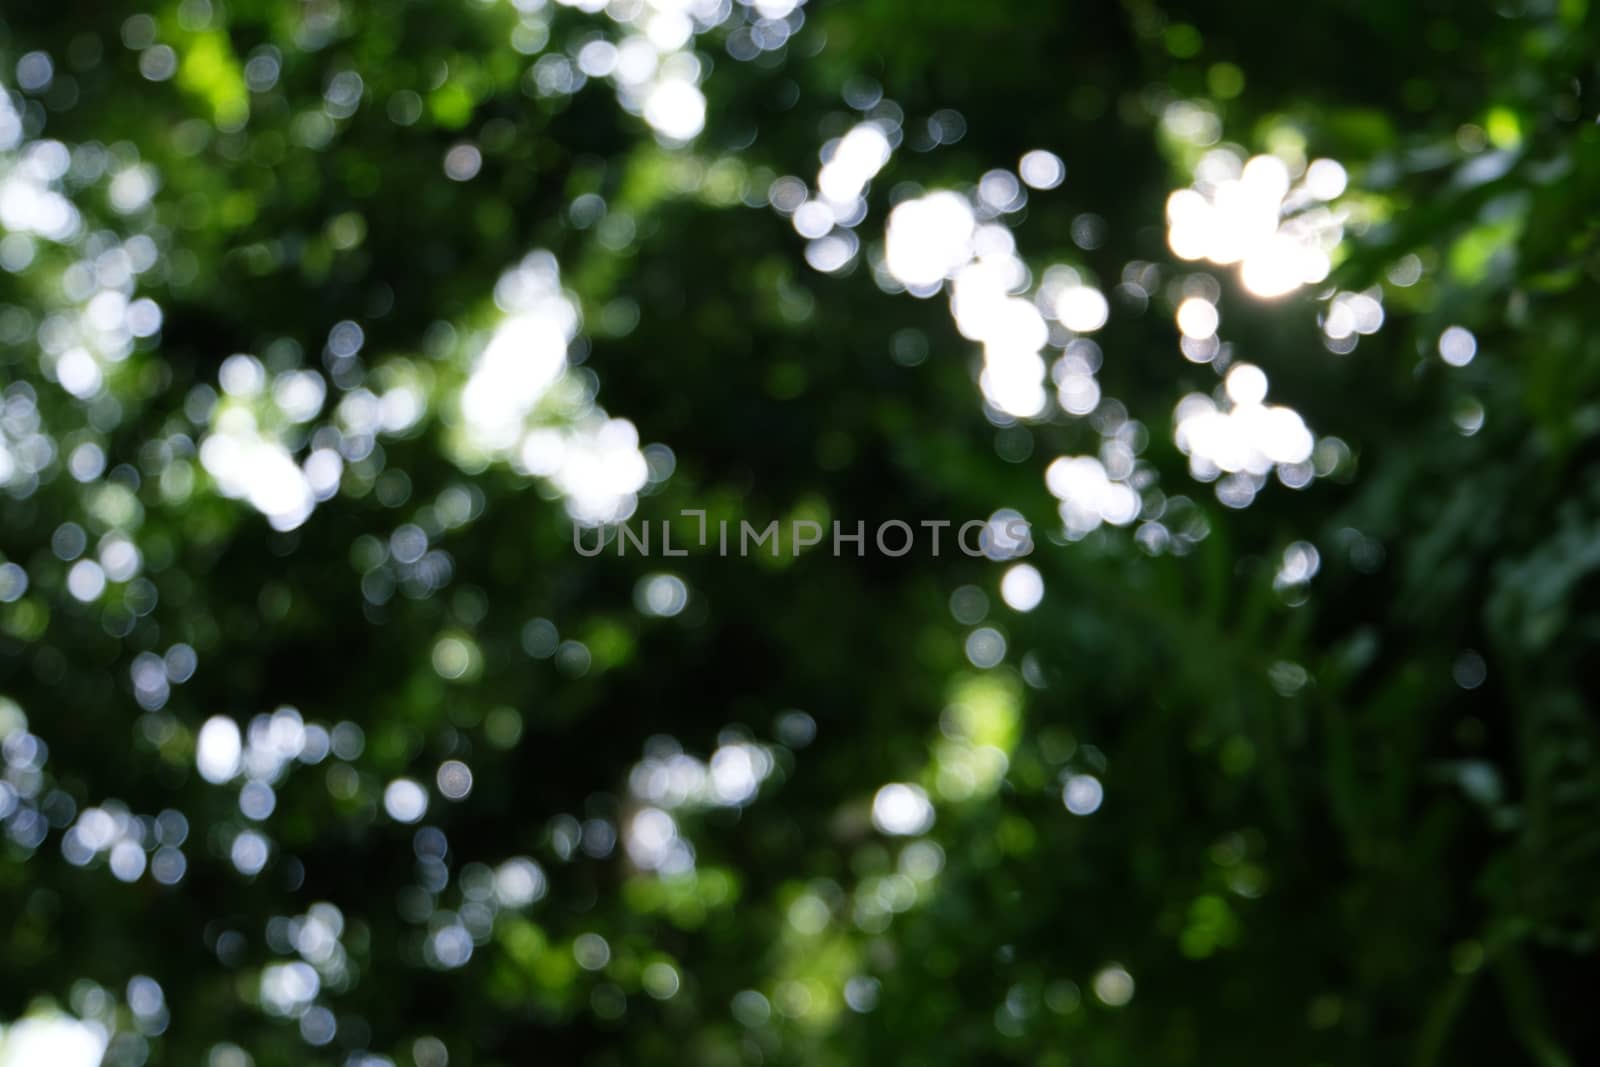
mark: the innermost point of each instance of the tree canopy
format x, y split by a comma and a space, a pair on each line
333, 334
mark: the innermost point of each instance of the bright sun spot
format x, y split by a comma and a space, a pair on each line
1251, 213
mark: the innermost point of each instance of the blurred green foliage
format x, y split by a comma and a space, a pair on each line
1349, 816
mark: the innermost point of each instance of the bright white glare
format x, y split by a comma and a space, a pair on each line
1089, 496
929, 238
1076, 389
598, 58
1082, 308
299, 394
119, 558
1350, 316
132, 189
86, 580
241, 375
833, 252
127, 861
1022, 587
79, 373
637, 63
405, 800
60, 1041
651, 839
1198, 318
813, 219
1012, 383
1280, 265
1246, 384
1457, 346
519, 402
287, 987
245, 465
519, 882
218, 750
1041, 169
676, 109
675, 780
323, 469
856, 160
602, 469
1325, 179
902, 809
1248, 439
1082, 794
1012, 331
524, 357
1249, 213
737, 771
669, 30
